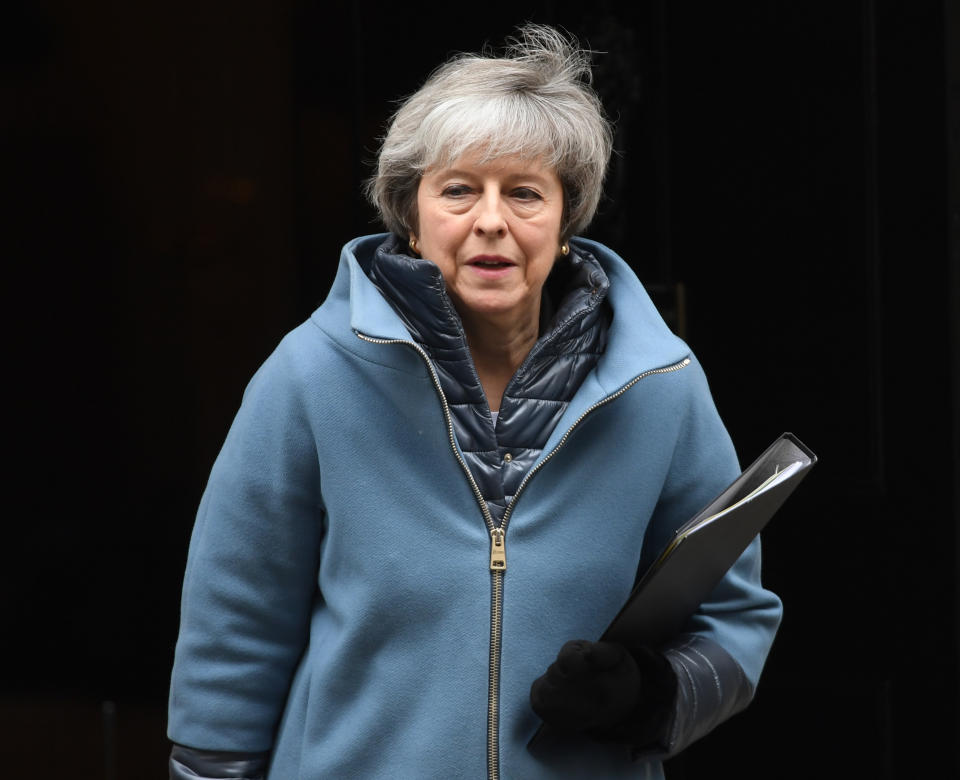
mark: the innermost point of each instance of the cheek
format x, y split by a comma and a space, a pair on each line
438, 242
542, 241
444, 234
544, 267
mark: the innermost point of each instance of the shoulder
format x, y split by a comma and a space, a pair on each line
316, 347
301, 354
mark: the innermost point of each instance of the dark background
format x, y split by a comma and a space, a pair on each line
177, 182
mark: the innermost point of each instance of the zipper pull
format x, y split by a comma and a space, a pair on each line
498, 555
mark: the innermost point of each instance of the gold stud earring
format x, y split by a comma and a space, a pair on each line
414, 246
564, 249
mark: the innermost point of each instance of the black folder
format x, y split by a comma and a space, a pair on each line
704, 548
707, 545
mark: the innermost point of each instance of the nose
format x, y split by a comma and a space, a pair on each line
490, 219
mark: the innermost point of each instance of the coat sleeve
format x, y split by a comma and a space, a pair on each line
720, 653
251, 576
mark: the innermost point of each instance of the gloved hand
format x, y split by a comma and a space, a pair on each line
606, 691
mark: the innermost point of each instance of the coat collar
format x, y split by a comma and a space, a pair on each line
370, 313
638, 340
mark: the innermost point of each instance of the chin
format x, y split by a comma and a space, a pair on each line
492, 306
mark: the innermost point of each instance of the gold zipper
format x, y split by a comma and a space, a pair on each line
498, 557
498, 564
498, 560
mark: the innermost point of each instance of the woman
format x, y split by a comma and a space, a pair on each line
454, 468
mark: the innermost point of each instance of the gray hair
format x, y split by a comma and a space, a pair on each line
533, 102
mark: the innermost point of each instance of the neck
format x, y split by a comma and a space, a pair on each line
498, 345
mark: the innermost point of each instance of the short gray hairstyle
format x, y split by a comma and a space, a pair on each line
535, 101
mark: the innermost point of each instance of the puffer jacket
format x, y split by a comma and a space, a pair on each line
499, 453
345, 612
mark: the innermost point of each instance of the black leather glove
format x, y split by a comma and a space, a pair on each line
607, 692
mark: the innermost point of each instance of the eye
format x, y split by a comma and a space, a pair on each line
525, 193
455, 190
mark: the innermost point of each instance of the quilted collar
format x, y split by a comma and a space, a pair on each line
416, 288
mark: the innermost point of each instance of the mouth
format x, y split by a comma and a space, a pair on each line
492, 262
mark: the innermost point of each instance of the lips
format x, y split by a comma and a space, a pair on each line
491, 262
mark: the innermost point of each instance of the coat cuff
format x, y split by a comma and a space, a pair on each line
711, 687
190, 764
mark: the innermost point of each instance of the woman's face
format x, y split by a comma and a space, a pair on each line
493, 228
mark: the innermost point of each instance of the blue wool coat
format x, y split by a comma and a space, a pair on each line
339, 608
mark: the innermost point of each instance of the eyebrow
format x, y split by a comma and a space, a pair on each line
460, 172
